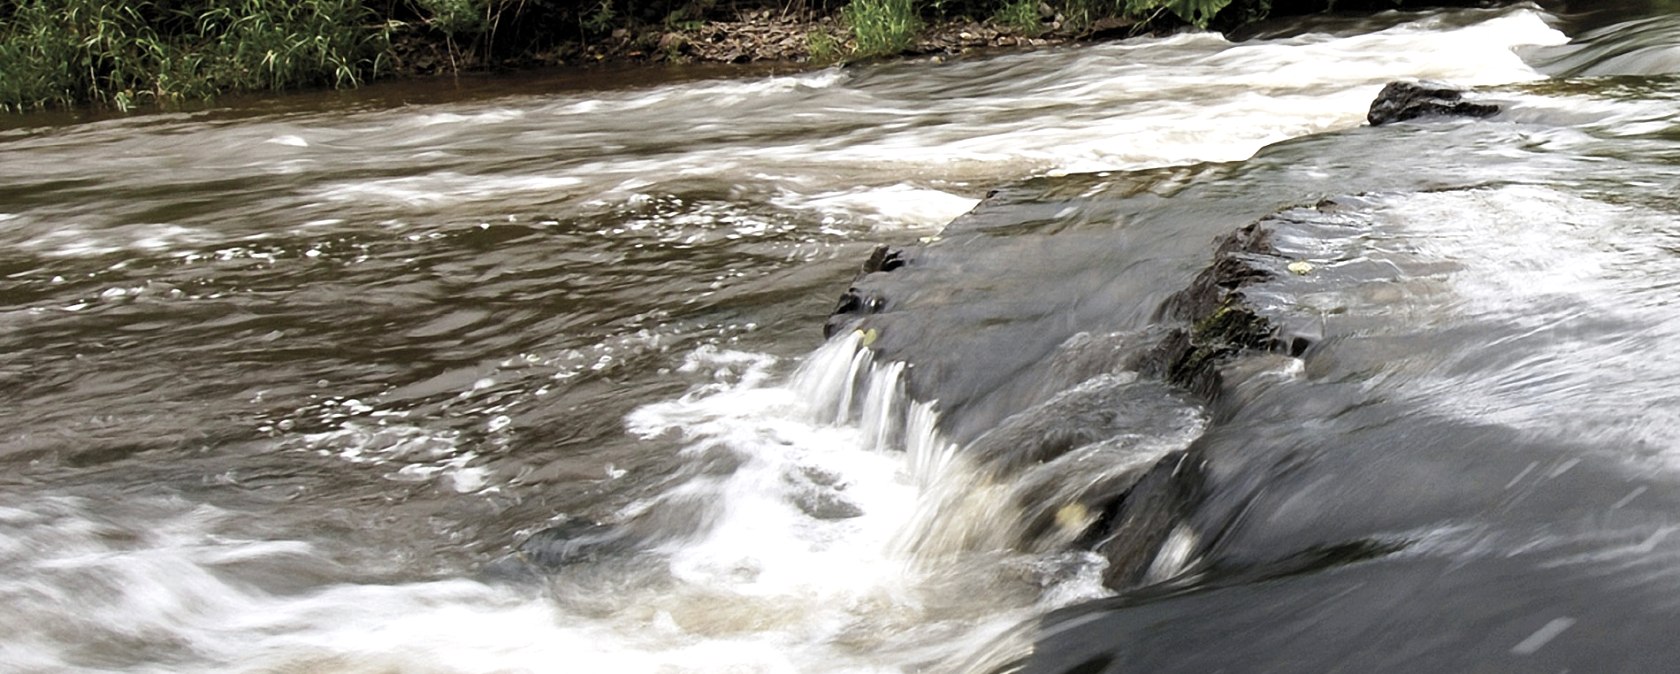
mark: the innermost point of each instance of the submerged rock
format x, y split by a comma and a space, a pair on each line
1400, 101
816, 492
573, 542
1137, 525
855, 302
824, 504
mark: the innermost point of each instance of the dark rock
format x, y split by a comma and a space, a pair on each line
853, 303
571, 543
1137, 526
1400, 101
1221, 324
1100, 409
1228, 331
883, 258
1232, 268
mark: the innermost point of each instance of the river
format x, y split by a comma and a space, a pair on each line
527, 373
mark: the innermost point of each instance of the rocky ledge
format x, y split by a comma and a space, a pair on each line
1402, 101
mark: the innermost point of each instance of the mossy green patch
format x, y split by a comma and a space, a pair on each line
1230, 329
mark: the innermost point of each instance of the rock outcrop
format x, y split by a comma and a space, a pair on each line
1401, 101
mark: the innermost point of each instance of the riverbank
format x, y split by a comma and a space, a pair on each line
762, 36
71, 53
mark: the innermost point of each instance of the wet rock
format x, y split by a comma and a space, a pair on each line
1229, 330
1221, 324
883, 258
1093, 461
1401, 101
825, 504
855, 302
1102, 408
819, 476
572, 543
816, 492
1233, 267
1137, 526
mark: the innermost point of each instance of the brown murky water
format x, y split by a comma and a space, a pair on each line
282, 377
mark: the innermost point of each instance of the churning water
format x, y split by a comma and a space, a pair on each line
531, 378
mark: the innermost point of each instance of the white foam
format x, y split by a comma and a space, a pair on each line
765, 584
893, 207
1573, 292
444, 188
485, 117
76, 241
412, 453
891, 148
844, 419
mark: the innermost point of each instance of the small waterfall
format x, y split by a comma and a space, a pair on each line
842, 384
1009, 491
828, 379
959, 509
883, 407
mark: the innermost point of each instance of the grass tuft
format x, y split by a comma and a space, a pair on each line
1019, 16
60, 53
823, 47
882, 27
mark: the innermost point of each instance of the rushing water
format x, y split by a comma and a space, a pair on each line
531, 377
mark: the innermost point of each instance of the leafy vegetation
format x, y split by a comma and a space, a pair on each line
882, 26
62, 52
123, 53
823, 47
1021, 16
889, 26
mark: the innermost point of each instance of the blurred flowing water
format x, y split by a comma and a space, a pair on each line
289, 384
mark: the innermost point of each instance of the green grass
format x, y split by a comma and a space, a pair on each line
1020, 16
127, 53
824, 48
1194, 12
456, 17
60, 53
882, 27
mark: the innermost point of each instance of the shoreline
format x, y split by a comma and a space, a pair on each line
754, 37
148, 61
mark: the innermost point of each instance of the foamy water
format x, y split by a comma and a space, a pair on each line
822, 547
